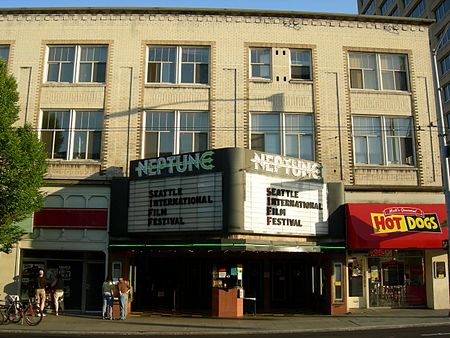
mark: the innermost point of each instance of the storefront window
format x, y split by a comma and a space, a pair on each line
397, 278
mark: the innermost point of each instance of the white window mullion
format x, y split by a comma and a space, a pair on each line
378, 71
144, 132
178, 65
283, 134
76, 63
70, 136
176, 132
384, 147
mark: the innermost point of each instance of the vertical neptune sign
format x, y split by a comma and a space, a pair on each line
174, 164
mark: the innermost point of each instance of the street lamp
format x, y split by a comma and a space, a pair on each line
235, 104
442, 145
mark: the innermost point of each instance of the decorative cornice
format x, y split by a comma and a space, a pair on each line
294, 20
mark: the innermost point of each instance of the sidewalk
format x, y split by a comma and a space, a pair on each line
166, 324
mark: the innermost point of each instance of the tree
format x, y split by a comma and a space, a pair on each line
22, 165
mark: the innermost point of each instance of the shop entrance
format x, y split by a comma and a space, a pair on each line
397, 279
82, 273
356, 268
184, 281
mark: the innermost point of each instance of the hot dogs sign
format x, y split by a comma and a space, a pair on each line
404, 219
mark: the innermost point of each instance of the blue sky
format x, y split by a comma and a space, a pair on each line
332, 6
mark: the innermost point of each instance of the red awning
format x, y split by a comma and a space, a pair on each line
396, 226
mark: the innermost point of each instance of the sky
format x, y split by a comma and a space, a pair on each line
330, 6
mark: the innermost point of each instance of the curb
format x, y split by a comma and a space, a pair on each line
223, 332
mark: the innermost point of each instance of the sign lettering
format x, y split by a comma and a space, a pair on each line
175, 164
289, 166
404, 220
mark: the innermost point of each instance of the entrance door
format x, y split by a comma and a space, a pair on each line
94, 280
356, 282
279, 276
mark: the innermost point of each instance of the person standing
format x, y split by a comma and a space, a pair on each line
107, 292
124, 289
58, 294
41, 283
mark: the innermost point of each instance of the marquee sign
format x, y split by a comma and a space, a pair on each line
190, 203
285, 206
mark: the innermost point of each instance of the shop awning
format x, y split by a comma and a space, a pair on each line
396, 226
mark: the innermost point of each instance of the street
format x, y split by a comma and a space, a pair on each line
422, 332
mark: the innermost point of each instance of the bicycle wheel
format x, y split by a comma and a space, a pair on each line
13, 314
32, 314
3, 316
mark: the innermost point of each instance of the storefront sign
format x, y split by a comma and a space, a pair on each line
190, 203
277, 164
185, 163
285, 206
377, 226
404, 219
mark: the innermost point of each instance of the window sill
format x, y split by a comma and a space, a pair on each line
74, 84
380, 92
385, 167
84, 162
299, 81
260, 80
177, 85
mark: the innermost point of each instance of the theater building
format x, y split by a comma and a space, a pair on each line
289, 121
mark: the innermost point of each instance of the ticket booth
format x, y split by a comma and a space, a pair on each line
227, 291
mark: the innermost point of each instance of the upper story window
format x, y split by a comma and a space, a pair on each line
418, 10
378, 71
77, 63
444, 37
394, 12
72, 134
442, 10
446, 91
4, 52
386, 6
286, 134
371, 8
406, 3
301, 64
260, 63
380, 140
445, 64
178, 64
174, 132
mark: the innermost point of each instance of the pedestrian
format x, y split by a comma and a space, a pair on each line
41, 283
107, 291
58, 293
124, 289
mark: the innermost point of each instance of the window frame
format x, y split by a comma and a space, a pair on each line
308, 64
8, 51
446, 92
178, 64
384, 142
282, 132
441, 10
77, 63
260, 64
384, 8
445, 64
379, 72
177, 131
71, 129
370, 9
418, 10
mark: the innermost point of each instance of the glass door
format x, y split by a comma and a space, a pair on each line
356, 269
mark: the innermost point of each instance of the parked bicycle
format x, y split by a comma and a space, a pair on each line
15, 311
